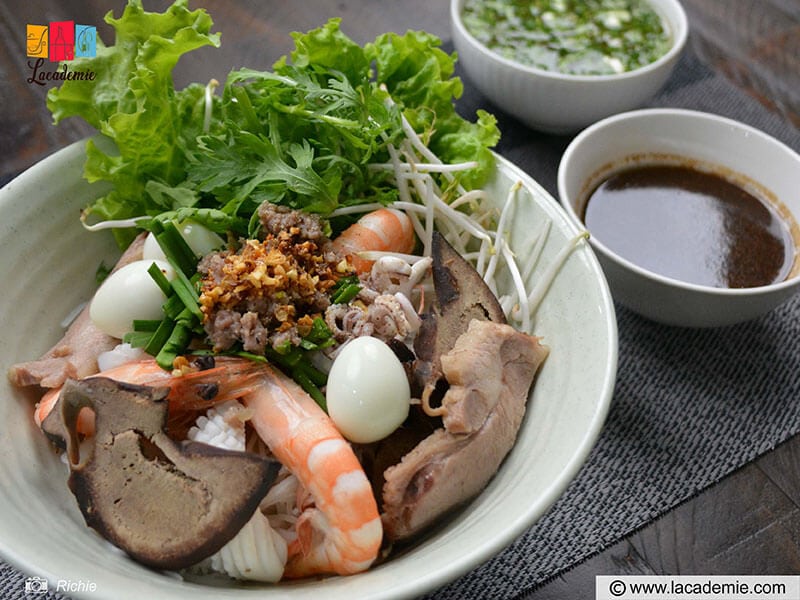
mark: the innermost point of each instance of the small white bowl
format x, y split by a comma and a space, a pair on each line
744, 153
558, 103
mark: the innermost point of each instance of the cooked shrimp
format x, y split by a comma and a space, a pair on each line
341, 532
191, 391
385, 229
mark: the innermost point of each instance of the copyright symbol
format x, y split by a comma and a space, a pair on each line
616, 587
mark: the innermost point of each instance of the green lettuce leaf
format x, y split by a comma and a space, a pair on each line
303, 134
419, 77
329, 49
132, 102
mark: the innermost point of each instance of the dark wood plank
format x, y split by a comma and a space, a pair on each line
782, 467
755, 43
747, 524
743, 525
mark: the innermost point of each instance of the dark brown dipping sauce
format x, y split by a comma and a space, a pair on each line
690, 225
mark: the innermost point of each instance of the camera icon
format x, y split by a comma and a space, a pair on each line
35, 585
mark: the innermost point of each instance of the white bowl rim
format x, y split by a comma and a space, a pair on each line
681, 27
680, 113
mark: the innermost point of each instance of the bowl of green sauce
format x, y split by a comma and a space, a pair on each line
695, 218
560, 65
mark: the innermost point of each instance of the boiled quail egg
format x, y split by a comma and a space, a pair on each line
368, 394
129, 294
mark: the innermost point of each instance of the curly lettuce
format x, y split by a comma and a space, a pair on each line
132, 101
302, 134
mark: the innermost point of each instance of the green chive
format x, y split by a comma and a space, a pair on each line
173, 306
146, 325
175, 344
160, 279
176, 249
345, 289
346, 293
185, 291
137, 339
311, 389
159, 337
314, 374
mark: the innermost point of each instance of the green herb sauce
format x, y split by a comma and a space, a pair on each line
575, 37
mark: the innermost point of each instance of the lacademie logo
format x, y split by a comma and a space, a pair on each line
60, 41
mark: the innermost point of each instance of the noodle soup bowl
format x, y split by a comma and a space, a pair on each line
738, 153
42, 531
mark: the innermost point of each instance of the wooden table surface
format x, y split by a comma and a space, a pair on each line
749, 523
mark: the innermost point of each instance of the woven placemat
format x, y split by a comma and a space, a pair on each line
690, 405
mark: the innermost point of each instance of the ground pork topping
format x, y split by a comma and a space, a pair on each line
268, 292
276, 219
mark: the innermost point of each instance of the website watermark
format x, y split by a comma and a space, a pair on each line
697, 587
39, 586
59, 42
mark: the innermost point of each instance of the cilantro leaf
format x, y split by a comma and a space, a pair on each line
253, 164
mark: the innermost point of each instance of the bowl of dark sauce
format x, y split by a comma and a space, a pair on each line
694, 217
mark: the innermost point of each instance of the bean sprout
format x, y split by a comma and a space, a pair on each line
209, 104
541, 287
113, 224
430, 193
426, 167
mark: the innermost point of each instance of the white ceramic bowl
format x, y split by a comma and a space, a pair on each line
558, 103
741, 151
48, 265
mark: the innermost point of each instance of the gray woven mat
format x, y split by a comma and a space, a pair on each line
690, 405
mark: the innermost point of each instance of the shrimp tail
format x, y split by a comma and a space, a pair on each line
304, 529
342, 532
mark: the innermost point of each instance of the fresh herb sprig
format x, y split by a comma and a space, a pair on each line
302, 134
